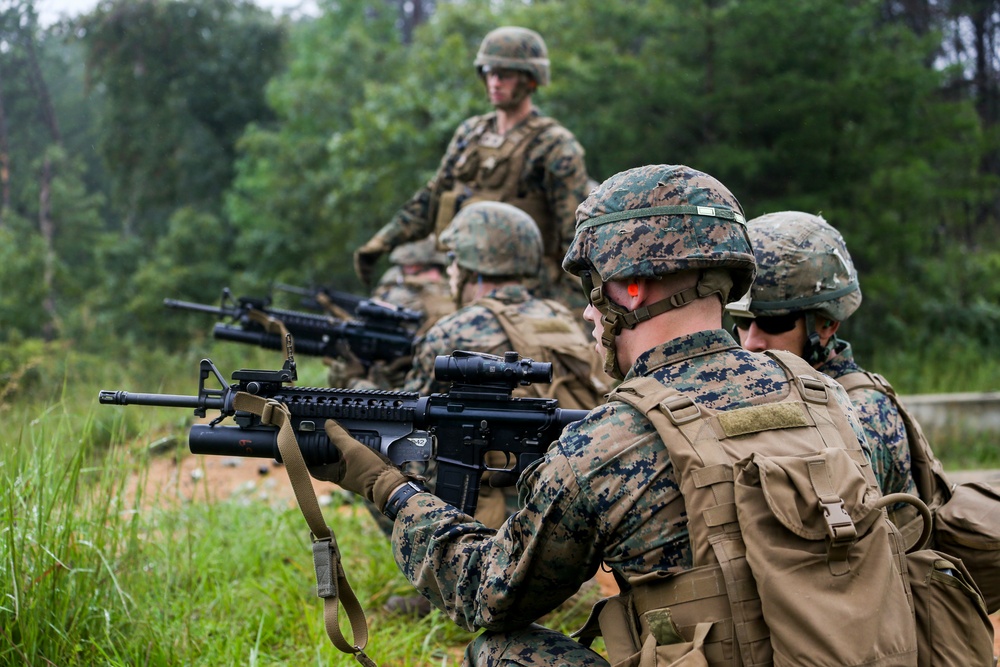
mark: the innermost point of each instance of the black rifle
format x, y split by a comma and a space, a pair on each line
380, 332
316, 299
456, 429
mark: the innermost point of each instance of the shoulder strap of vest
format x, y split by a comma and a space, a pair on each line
704, 473
933, 485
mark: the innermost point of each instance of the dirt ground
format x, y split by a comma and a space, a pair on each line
214, 478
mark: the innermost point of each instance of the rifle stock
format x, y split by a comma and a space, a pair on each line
456, 429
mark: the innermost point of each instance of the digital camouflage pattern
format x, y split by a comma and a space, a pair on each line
475, 328
882, 423
424, 252
495, 239
514, 48
553, 172
646, 222
802, 265
604, 492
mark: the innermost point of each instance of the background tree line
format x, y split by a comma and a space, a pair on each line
169, 148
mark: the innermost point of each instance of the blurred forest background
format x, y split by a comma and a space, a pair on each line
170, 148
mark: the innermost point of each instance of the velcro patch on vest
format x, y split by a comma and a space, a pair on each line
550, 326
757, 418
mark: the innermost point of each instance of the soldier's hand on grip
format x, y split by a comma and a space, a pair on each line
360, 469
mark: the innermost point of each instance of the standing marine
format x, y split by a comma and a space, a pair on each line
513, 154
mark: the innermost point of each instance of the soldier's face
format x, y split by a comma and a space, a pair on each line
453, 276
507, 88
593, 316
757, 338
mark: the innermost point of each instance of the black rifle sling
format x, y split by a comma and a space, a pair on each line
331, 580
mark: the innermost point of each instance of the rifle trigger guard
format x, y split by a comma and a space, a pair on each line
324, 556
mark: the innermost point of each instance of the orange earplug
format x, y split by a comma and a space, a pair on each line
633, 289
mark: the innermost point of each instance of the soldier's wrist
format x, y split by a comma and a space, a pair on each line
399, 498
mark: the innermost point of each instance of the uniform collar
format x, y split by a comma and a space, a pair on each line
681, 349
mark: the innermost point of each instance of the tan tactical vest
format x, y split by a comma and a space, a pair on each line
435, 300
490, 169
578, 378
785, 523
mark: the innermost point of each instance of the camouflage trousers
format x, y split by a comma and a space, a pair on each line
533, 645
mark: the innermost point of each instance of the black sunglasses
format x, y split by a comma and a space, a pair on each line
773, 324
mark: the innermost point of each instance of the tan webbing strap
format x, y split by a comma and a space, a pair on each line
270, 324
331, 580
831, 420
839, 525
332, 308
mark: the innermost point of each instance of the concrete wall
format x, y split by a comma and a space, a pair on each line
966, 413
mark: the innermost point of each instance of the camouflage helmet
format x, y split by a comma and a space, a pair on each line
495, 239
424, 252
661, 219
515, 48
802, 265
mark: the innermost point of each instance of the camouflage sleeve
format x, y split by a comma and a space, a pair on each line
886, 432
414, 220
506, 578
566, 180
605, 491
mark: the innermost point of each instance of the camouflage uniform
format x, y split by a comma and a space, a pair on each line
551, 173
882, 423
606, 490
610, 466
803, 266
488, 239
475, 328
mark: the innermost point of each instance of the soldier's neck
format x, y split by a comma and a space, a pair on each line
510, 118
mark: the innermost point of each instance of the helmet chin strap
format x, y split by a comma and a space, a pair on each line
616, 317
464, 276
814, 352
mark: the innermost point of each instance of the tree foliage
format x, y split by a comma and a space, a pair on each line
237, 149
182, 79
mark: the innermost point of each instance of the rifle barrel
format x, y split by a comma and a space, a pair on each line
190, 305
111, 397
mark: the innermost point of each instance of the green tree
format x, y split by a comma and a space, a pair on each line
181, 80
45, 204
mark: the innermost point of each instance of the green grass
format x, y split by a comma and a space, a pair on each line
92, 574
